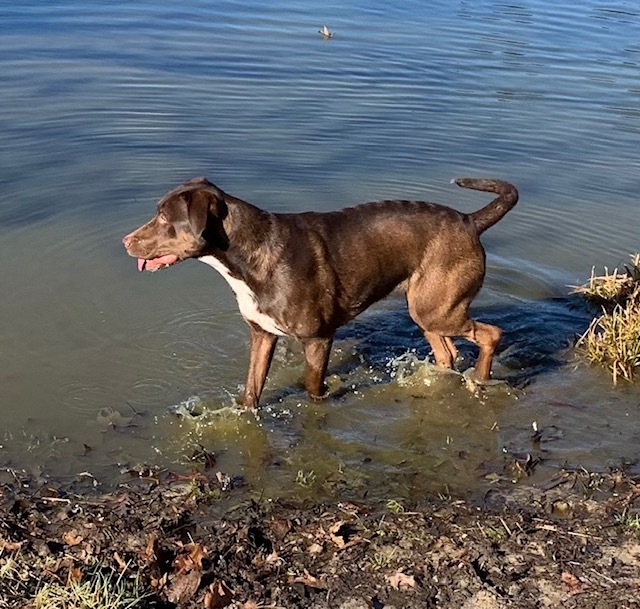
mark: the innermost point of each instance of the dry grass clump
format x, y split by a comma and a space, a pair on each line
21, 578
613, 338
100, 591
613, 288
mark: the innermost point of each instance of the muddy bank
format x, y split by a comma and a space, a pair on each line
195, 541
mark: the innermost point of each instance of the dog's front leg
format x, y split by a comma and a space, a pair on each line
262, 347
316, 354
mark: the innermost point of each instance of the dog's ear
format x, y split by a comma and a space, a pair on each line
203, 204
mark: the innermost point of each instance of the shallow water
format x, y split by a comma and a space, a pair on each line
106, 107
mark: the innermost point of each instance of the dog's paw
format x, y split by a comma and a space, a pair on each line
474, 385
319, 398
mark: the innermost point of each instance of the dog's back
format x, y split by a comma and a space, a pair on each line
376, 247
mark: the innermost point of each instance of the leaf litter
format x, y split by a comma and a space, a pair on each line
574, 544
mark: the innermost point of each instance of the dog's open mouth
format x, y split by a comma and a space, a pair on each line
155, 264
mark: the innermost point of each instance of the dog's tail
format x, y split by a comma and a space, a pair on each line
490, 214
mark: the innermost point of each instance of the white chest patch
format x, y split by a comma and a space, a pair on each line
247, 301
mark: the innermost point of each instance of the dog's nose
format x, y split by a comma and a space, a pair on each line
127, 240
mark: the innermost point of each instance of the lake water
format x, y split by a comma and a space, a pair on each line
106, 106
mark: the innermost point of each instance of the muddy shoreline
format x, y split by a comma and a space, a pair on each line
195, 541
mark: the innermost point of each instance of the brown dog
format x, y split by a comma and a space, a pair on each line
304, 275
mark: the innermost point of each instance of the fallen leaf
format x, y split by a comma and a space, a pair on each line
182, 586
75, 574
71, 538
569, 579
349, 508
149, 553
281, 528
309, 580
447, 547
121, 563
315, 548
10, 546
194, 477
191, 559
343, 535
572, 582
273, 559
63, 563
121, 504
333, 534
400, 581
197, 553
218, 595
161, 582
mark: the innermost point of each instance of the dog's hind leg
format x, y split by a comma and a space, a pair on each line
444, 351
316, 354
425, 317
261, 351
487, 337
445, 316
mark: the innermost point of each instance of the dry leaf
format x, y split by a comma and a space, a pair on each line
309, 580
121, 563
71, 538
10, 546
273, 558
337, 539
75, 574
401, 581
191, 559
62, 563
197, 553
315, 548
449, 548
218, 596
121, 504
569, 579
343, 535
572, 582
160, 582
149, 553
281, 528
182, 586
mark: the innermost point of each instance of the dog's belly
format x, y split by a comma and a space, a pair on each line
247, 302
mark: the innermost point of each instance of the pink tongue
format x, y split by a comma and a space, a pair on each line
156, 263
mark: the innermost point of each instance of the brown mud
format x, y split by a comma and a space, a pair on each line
196, 542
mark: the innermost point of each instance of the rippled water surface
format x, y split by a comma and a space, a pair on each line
106, 106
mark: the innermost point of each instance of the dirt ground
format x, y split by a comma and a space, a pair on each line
196, 542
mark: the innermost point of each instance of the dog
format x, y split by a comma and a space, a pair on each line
304, 275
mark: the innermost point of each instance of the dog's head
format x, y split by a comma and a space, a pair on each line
188, 224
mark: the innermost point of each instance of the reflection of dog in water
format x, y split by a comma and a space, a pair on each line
304, 275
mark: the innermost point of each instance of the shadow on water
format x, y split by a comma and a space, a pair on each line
536, 337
